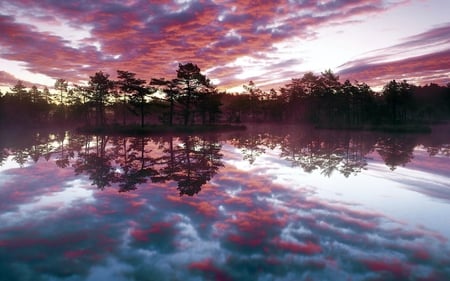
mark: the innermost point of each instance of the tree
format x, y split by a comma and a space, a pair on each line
130, 85
190, 81
329, 82
255, 96
99, 91
302, 96
35, 94
209, 105
46, 94
366, 106
329, 88
61, 86
168, 87
19, 90
78, 108
398, 98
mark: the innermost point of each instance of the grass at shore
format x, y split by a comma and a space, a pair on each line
158, 129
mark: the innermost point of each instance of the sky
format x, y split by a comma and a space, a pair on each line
233, 42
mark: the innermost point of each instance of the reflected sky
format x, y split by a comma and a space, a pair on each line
255, 218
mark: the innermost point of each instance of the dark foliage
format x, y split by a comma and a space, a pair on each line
190, 98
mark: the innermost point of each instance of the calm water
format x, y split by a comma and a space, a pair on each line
269, 203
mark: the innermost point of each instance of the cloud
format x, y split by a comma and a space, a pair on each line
150, 39
429, 68
7, 79
392, 63
243, 225
41, 52
209, 270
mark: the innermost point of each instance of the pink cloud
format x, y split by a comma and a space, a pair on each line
431, 67
159, 228
209, 269
7, 79
150, 39
308, 248
394, 268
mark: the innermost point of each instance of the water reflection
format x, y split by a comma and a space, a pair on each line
245, 224
128, 162
192, 161
341, 151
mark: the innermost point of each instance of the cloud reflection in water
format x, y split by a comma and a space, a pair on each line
247, 223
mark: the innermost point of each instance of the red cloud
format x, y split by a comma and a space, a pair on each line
209, 269
7, 79
207, 209
309, 248
394, 268
150, 39
159, 228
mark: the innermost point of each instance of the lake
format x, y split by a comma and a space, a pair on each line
269, 203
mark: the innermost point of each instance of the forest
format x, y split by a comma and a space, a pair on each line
190, 98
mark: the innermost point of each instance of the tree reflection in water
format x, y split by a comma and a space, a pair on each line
96, 163
128, 162
192, 161
313, 150
396, 150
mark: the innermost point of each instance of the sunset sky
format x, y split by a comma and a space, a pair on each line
269, 42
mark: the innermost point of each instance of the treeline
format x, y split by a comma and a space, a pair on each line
190, 98
323, 100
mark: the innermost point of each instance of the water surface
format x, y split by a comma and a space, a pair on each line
270, 203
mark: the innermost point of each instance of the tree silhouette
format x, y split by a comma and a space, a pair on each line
190, 82
316, 99
398, 97
255, 95
61, 85
329, 89
98, 93
79, 101
35, 94
46, 94
169, 88
236, 107
135, 87
208, 106
19, 90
